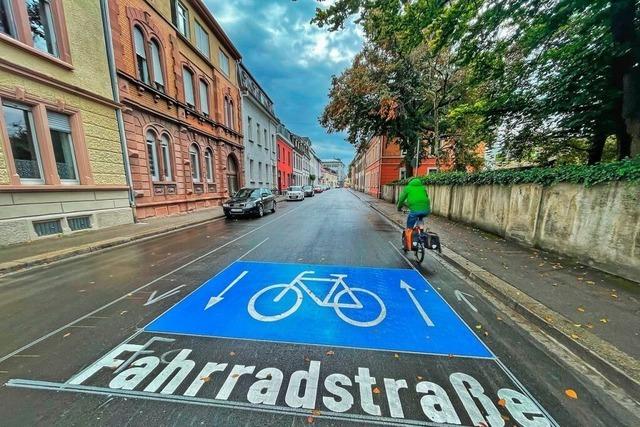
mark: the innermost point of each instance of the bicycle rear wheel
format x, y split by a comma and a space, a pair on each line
418, 252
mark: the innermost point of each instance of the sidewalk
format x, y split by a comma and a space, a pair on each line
17, 257
594, 313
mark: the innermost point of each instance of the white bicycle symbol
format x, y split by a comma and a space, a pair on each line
331, 300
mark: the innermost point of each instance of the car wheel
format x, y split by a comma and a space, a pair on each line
273, 208
260, 211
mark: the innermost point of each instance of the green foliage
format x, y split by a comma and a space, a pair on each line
624, 170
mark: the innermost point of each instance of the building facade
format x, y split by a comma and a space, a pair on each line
285, 158
301, 159
381, 163
337, 166
329, 177
61, 160
178, 82
260, 127
315, 167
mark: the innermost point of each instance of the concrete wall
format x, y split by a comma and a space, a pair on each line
18, 211
598, 225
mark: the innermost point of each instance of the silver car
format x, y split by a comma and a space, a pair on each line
295, 193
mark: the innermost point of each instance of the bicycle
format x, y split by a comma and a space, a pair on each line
332, 299
425, 240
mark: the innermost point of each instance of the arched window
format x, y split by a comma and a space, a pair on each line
231, 124
187, 80
208, 162
156, 60
152, 157
166, 158
232, 175
194, 156
228, 113
141, 54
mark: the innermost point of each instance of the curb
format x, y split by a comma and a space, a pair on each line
607, 359
51, 257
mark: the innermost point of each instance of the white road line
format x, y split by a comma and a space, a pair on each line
117, 300
201, 401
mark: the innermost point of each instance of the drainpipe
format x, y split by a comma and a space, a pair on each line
106, 25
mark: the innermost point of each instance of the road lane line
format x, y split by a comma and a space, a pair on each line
125, 296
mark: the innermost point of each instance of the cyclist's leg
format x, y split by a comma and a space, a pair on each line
411, 219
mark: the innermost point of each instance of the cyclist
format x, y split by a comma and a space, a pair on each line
417, 200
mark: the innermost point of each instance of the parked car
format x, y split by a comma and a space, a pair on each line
250, 201
308, 191
318, 189
295, 193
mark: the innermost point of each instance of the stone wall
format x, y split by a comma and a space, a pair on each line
598, 225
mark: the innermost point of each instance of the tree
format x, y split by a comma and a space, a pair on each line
312, 178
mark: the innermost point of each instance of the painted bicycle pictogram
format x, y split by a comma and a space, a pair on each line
342, 301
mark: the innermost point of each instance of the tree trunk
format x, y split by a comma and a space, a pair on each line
626, 77
624, 139
596, 147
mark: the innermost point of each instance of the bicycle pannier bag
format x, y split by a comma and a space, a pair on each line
433, 241
407, 239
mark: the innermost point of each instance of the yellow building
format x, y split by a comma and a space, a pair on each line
61, 162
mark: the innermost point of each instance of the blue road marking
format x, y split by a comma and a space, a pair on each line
369, 308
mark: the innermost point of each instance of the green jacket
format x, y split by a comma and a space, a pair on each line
415, 197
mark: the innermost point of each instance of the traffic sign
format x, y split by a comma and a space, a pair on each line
356, 307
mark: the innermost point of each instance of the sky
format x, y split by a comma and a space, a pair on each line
292, 60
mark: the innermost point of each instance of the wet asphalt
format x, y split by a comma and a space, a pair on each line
58, 320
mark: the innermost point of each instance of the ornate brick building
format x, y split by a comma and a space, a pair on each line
178, 83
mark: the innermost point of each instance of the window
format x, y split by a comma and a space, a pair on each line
251, 174
141, 55
24, 145
7, 23
208, 160
260, 172
41, 24
204, 97
182, 19
250, 129
265, 140
152, 157
224, 63
194, 156
60, 129
228, 112
187, 80
158, 77
258, 133
202, 40
166, 158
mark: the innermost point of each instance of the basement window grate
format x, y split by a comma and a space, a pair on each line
47, 228
79, 223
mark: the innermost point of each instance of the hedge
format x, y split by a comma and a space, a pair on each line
624, 170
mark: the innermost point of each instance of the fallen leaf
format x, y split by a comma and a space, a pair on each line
506, 418
419, 378
310, 419
396, 356
235, 375
577, 325
330, 353
123, 312
316, 412
306, 359
604, 320
581, 278
232, 353
82, 290
571, 393
581, 309
574, 336
590, 282
499, 318
614, 296
66, 335
502, 403
478, 326
205, 379
376, 390
486, 334
589, 325
554, 284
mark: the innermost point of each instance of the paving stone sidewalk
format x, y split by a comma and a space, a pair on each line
596, 303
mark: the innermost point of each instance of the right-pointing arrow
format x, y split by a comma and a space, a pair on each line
410, 290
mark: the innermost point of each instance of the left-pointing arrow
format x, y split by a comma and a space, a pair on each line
217, 298
153, 298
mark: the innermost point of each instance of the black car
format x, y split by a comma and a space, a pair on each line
250, 201
308, 191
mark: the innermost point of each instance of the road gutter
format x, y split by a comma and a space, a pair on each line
618, 366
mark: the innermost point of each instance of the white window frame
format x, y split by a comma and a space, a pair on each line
250, 128
188, 74
155, 175
72, 151
140, 51
208, 164
225, 65
34, 136
166, 157
156, 64
204, 100
202, 40
194, 157
182, 19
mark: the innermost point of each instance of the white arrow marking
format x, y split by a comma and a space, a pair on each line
408, 288
461, 296
216, 299
152, 298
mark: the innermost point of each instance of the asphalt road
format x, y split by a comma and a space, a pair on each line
182, 330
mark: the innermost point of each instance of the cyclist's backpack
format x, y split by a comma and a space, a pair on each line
407, 239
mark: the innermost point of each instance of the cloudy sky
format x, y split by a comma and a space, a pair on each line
292, 60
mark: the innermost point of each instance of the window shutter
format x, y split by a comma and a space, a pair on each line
59, 121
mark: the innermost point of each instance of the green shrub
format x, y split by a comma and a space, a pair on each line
624, 170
